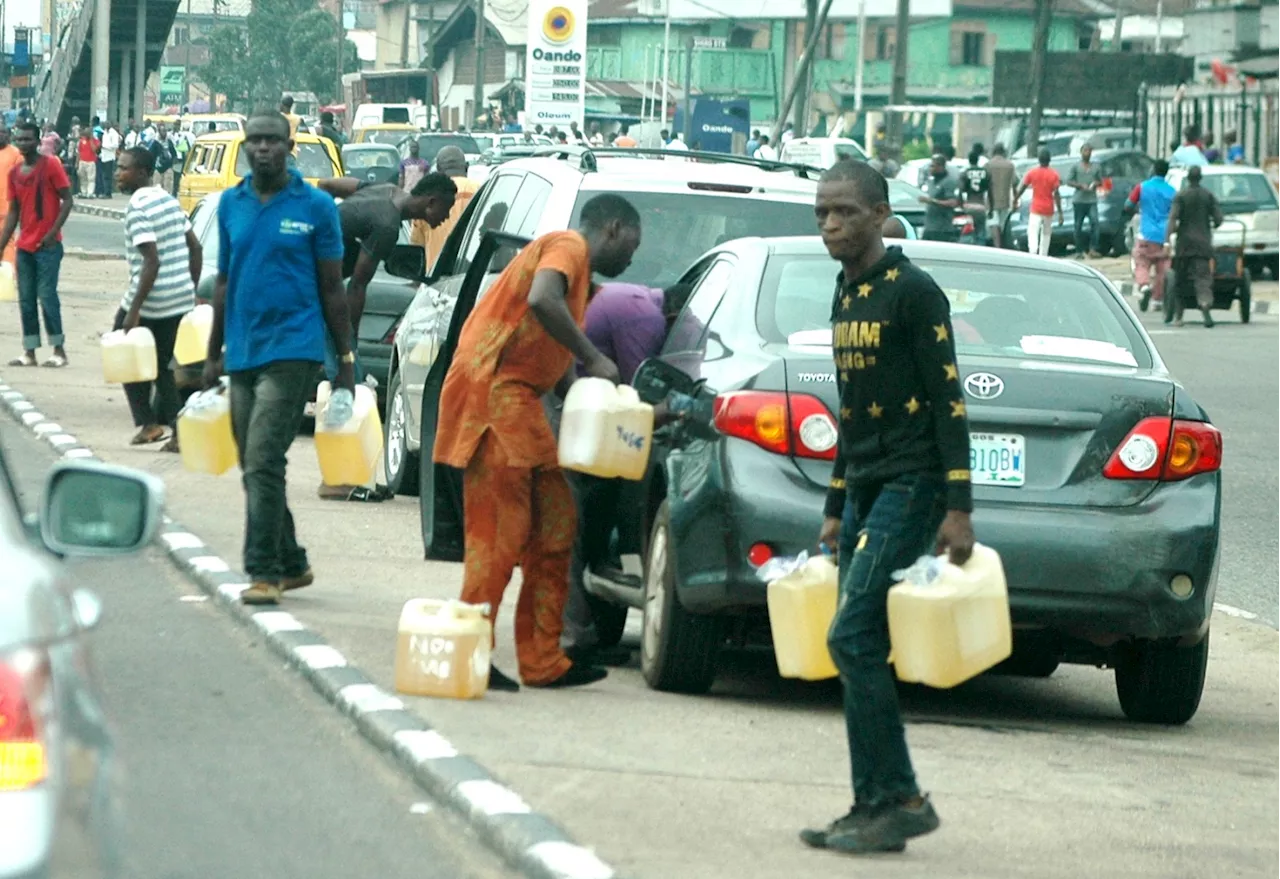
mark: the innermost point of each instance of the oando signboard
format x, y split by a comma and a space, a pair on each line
556, 64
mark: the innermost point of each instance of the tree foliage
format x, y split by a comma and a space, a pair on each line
283, 45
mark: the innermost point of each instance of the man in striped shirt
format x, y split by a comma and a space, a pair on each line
164, 266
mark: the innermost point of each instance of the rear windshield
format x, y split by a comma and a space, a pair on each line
1241, 192
385, 135
312, 160
430, 144
363, 160
678, 227
995, 311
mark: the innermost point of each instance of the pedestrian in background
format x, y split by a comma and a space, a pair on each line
451, 162
87, 164
111, 141
1212, 154
624, 138
1193, 216
1085, 178
279, 287
521, 341
1043, 182
899, 488
164, 266
166, 156
71, 155
1235, 152
1153, 199
10, 158
286, 110
1001, 177
39, 203
413, 167
51, 142
330, 130
766, 151
940, 201
975, 191
1189, 154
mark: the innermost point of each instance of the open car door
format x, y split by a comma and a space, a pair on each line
440, 495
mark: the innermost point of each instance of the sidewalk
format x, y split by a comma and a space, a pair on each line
1024, 772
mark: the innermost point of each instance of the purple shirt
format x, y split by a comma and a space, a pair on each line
626, 323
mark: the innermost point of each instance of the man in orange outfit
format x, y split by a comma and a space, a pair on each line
521, 340
10, 157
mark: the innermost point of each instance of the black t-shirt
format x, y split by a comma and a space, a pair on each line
974, 184
372, 218
902, 409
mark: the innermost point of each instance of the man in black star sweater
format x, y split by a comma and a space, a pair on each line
900, 488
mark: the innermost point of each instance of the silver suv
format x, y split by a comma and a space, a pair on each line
688, 204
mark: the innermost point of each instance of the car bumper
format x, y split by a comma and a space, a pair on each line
1099, 574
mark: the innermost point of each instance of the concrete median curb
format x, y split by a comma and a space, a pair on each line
98, 210
530, 842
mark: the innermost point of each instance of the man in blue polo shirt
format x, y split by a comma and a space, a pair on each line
279, 286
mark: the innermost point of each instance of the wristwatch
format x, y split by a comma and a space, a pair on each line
349, 357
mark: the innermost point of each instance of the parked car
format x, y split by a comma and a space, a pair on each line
391, 133
431, 142
1069, 143
385, 302
685, 208
820, 152
218, 161
372, 162
1248, 197
1096, 473
59, 791
1121, 171
488, 142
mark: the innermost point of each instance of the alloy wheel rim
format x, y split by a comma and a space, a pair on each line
395, 435
655, 594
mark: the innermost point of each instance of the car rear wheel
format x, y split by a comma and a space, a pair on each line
400, 466
1160, 682
1245, 297
678, 650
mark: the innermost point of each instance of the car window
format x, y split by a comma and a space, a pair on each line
689, 332
430, 144
489, 214
207, 230
994, 310
904, 196
382, 135
363, 160
849, 151
522, 218
1241, 191
312, 158
678, 227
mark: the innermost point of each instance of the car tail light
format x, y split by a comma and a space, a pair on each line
758, 554
24, 693
390, 337
787, 424
1166, 449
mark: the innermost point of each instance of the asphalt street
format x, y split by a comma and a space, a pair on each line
233, 766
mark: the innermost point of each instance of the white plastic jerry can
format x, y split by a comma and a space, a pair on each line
954, 628
192, 343
204, 434
605, 430
801, 607
8, 283
442, 649
129, 357
348, 454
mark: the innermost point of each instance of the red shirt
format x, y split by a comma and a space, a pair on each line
89, 149
38, 201
1043, 182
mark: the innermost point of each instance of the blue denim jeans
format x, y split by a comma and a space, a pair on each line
884, 528
266, 410
1084, 212
38, 292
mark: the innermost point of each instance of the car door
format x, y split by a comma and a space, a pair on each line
686, 344
428, 316
440, 494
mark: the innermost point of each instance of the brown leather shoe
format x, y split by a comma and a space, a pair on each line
306, 578
261, 593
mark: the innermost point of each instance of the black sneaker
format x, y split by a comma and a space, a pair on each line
576, 676
858, 816
888, 829
500, 682
608, 656
1145, 301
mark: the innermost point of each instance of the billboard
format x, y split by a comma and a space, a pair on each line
172, 83
556, 63
1085, 80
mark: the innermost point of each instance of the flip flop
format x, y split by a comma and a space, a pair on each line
142, 438
57, 361
24, 360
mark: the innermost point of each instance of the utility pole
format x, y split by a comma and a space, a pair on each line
862, 61
1159, 26
478, 96
805, 76
688, 88
1117, 32
1039, 59
666, 64
898, 92
404, 34
342, 50
802, 72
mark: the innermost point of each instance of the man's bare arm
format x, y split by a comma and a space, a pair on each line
547, 301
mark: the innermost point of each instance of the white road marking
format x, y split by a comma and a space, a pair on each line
232, 591
62, 439
181, 540
1234, 611
47, 427
272, 621
425, 744
77, 453
366, 698
420, 808
492, 798
194, 599
30, 418
22, 406
318, 656
209, 564
571, 861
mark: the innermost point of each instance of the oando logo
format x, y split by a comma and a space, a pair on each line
557, 26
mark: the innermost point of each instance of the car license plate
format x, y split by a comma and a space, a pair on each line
309, 411
997, 459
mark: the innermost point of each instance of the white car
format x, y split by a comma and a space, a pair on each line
820, 152
1247, 197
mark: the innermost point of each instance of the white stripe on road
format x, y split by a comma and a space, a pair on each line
62, 439
47, 427
181, 540
1234, 611
492, 798
425, 744
319, 656
365, 698
571, 861
232, 591
77, 453
30, 418
209, 564
272, 621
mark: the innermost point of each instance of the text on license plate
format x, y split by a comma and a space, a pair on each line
997, 459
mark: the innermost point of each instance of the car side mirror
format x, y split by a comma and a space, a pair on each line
96, 509
408, 261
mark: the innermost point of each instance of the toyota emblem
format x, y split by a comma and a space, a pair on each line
984, 385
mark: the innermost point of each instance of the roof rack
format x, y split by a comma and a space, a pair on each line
586, 157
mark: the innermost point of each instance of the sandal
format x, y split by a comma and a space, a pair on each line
146, 436
57, 361
171, 445
358, 493
24, 360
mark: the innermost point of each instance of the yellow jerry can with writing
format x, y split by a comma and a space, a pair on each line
443, 648
801, 607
